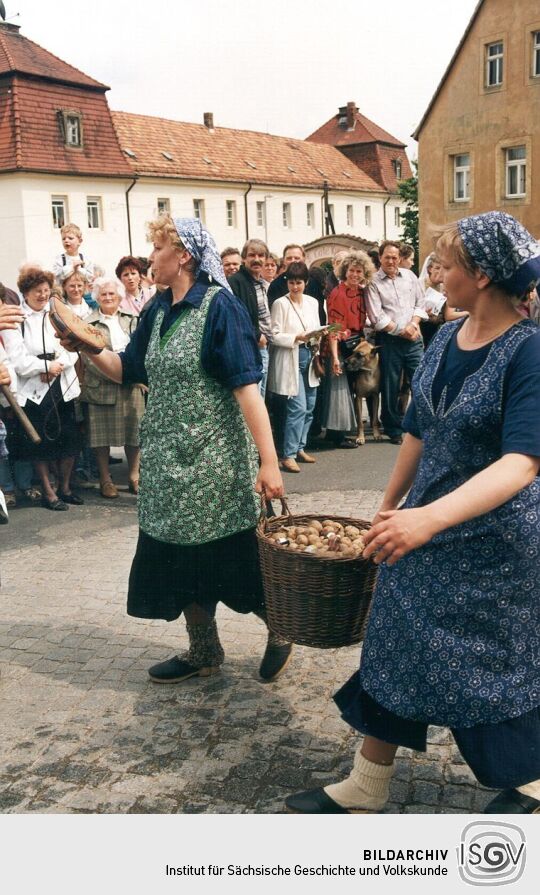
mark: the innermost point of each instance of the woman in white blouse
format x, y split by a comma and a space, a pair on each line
74, 287
47, 385
291, 366
113, 411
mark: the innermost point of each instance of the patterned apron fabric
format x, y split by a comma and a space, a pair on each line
454, 636
198, 460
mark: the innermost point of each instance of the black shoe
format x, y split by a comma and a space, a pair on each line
511, 801
175, 670
113, 461
347, 444
395, 439
275, 660
72, 499
313, 801
53, 504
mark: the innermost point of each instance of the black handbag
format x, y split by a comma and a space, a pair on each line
347, 346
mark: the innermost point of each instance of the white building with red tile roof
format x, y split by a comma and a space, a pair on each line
65, 156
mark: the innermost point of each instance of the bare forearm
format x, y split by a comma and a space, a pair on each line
109, 363
403, 472
485, 491
256, 416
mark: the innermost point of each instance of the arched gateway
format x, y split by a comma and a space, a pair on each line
324, 249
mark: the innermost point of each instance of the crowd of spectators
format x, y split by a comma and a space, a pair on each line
308, 323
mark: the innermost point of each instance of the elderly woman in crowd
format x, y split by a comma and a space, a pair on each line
346, 307
204, 423
454, 637
438, 310
291, 366
47, 386
129, 271
113, 410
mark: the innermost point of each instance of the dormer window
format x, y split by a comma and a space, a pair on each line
396, 164
71, 128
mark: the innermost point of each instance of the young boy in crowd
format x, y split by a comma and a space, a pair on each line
72, 259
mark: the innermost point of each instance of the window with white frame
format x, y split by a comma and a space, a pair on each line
260, 214
516, 171
73, 130
164, 206
287, 220
231, 213
462, 177
536, 55
367, 215
350, 216
397, 166
198, 209
397, 217
94, 213
494, 64
310, 214
70, 127
59, 205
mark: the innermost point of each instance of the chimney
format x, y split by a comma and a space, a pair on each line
351, 115
8, 26
208, 119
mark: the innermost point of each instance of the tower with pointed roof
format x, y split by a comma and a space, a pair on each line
372, 149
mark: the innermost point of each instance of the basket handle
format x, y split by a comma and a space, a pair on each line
285, 511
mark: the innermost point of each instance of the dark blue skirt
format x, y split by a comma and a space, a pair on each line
502, 755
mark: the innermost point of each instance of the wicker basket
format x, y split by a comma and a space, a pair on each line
313, 600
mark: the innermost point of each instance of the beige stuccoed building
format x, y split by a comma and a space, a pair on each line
479, 139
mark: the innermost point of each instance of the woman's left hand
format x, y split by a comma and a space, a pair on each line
397, 532
11, 316
269, 481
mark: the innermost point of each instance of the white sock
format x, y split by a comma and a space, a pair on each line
366, 787
530, 789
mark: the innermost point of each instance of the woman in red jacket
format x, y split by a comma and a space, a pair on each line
345, 306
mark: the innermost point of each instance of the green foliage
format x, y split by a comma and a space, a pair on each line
408, 192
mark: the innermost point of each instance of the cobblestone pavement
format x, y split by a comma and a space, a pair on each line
84, 730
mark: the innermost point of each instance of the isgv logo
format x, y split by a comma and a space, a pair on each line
491, 854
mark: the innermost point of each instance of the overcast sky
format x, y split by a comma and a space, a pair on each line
284, 70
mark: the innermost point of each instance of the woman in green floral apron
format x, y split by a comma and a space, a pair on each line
203, 436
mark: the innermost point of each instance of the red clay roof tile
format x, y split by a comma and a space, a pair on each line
364, 131
19, 55
234, 155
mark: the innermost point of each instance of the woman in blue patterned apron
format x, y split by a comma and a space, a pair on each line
203, 433
454, 636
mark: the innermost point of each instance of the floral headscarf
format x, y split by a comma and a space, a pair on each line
202, 248
503, 249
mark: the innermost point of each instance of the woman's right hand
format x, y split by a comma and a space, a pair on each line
53, 370
336, 368
300, 337
5, 378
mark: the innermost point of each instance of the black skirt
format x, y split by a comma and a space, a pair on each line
501, 755
54, 421
165, 578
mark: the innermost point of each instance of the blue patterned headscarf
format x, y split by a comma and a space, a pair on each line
202, 248
503, 249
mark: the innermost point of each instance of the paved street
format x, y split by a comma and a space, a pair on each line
84, 730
